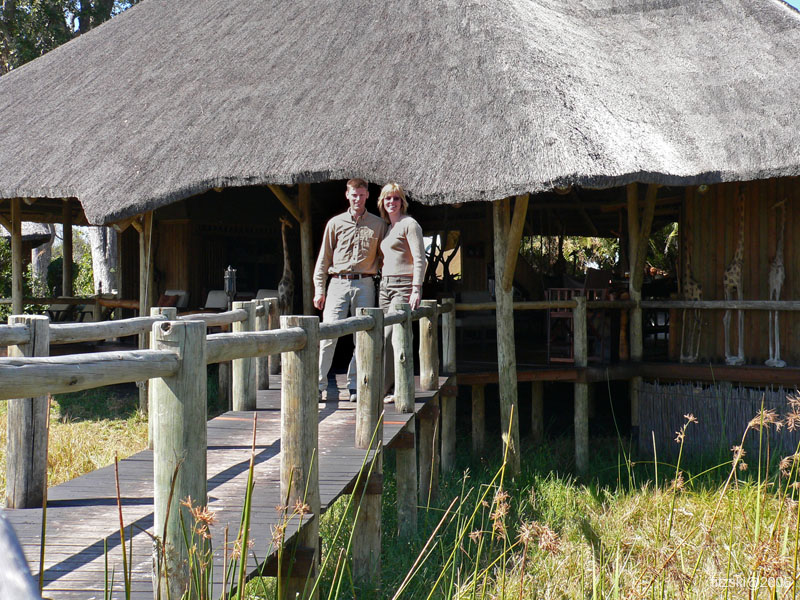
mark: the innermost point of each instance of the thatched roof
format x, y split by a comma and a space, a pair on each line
458, 101
31, 232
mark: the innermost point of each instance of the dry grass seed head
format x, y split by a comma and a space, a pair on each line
765, 418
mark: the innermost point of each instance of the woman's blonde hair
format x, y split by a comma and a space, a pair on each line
391, 188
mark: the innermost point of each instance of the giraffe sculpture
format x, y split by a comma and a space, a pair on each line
690, 290
286, 284
732, 283
777, 275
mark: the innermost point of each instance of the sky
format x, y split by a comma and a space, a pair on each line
795, 3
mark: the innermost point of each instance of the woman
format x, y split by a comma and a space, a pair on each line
403, 263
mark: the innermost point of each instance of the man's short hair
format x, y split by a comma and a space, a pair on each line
356, 183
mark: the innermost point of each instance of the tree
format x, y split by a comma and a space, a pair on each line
30, 28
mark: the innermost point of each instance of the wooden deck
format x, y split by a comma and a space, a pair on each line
82, 513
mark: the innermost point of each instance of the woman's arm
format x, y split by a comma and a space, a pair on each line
416, 245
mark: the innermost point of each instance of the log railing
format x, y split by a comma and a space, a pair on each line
176, 366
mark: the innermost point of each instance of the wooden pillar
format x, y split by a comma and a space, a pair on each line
429, 452
66, 272
478, 420
580, 353
403, 347
638, 236
506, 354
429, 348
274, 322
537, 412
449, 337
170, 313
145, 229
369, 366
262, 362
306, 247
300, 442
406, 457
369, 434
16, 256
244, 369
26, 445
448, 404
179, 444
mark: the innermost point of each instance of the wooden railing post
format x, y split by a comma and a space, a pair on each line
429, 457
26, 445
170, 313
537, 412
403, 350
369, 366
429, 348
449, 399
478, 420
300, 443
369, 434
262, 362
179, 446
406, 458
274, 322
580, 352
244, 369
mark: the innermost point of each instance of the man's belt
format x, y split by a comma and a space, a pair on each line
352, 275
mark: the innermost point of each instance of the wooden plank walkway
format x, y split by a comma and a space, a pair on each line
82, 513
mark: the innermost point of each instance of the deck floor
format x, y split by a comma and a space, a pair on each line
82, 514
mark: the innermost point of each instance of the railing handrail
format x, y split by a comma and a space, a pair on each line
72, 372
769, 305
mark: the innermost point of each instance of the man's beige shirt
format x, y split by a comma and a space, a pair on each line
349, 246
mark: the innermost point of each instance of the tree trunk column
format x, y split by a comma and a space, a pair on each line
262, 362
179, 444
66, 261
506, 354
145, 229
26, 445
300, 441
306, 248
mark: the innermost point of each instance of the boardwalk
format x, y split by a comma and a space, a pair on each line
82, 513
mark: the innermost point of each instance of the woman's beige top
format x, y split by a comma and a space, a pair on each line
404, 250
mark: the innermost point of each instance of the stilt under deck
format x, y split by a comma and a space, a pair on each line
82, 513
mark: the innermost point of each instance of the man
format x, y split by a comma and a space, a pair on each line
350, 254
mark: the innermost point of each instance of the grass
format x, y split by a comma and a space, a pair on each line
629, 530
87, 429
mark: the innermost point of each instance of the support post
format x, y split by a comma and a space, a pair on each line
274, 321
145, 230
478, 420
16, 256
402, 344
506, 354
66, 261
244, 369
580, 354
537, 412
429, 456
429, 348
369, 434
449, 337
638, 235
171, 313
306, 247
448, 403
262, 362
179, 446
369, 366
300, 442
407, 484
26, 445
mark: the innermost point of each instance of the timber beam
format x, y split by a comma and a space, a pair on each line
514, 238
289, 204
